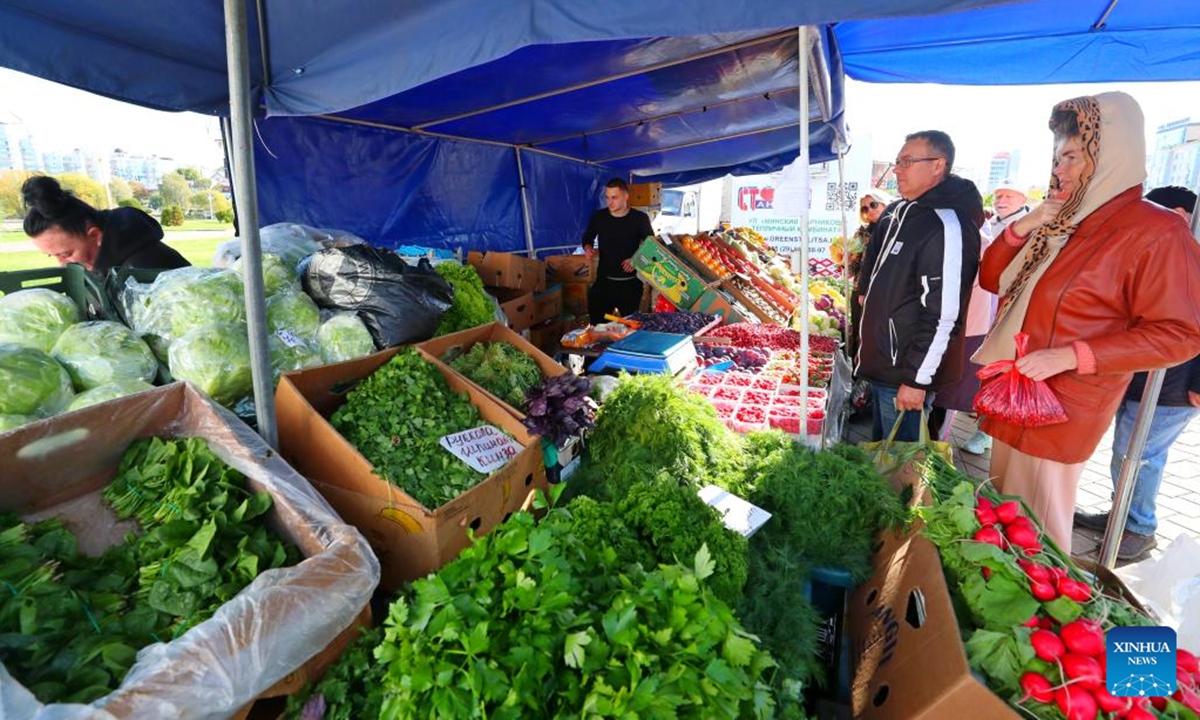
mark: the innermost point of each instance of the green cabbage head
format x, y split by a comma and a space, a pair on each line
103, 352
35, 317
344, 337
215, 358
111, 391
32, 383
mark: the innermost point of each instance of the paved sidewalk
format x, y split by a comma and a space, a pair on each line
1178, 498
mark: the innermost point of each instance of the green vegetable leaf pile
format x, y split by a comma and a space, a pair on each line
351, 689
396, 417
531, 622
471, 307
501, 369
71, 625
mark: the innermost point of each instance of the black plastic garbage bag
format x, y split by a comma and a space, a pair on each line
398, 302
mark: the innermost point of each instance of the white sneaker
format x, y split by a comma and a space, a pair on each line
979, 443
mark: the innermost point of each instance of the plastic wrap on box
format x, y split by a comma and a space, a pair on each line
59, 467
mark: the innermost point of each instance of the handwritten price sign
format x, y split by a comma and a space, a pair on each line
485, 448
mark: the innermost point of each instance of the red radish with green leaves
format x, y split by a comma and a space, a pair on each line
1075, 702
1036, 571
1037, 687
1077, 591
1184, 660
1083, 637
1110, 703
1083, 669
1043, 591
1023, 537
1047, 645
986, 516
989, 535
1008, 511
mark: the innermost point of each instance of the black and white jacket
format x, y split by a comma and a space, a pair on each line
918, 271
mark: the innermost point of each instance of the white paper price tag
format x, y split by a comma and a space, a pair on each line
739, 515
287, 337
485, 448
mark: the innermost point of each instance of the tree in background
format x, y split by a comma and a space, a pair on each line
120, 190
141, 193
191, 174
11, 204
85, 188
206, 200
172, 215
175, 190
130, 202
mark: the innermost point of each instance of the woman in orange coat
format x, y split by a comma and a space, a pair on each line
1104, 283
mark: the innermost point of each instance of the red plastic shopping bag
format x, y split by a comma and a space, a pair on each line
1010, 396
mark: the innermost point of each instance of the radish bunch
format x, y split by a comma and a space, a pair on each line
1077, 687
1004, 526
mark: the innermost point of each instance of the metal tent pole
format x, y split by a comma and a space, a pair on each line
803, 160
1129, 469
241, 123
525, 206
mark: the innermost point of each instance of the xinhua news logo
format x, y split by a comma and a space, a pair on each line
1140, 661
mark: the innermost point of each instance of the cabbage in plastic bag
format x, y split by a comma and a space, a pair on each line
186, 298
289, 352
294, 312
32, 383
35, 317
102, 352
344, 337
216, 358
111, 391
278, 275
12, 422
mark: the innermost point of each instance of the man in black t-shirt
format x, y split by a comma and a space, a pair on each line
619, 230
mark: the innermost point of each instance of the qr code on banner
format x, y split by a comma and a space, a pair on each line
837, 200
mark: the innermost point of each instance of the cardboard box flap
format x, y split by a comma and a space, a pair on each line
271, 628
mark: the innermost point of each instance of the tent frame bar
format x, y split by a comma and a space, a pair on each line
666, 116
694, 143
529, 246
801, 256
760, 40
1099, 24
445, 136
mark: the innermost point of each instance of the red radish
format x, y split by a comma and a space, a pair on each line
991, 536
1032, 622
1058, 572
1008, 511
1037, 687
1047, 645
982, 502
1138, 713
1188, 697
1184, 678
1108, 702
1024, 538
1084, 669
1077, 591
1076, 703
1186, 661
985, 516
1083, 637
1043, 591
1159, 703
1046, 623
1035, 571
987, 573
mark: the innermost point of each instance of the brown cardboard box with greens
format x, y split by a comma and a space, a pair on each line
437, 348
409, 539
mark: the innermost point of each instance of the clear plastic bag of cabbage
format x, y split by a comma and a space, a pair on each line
111, 391
35, 317
103, 352
294, 312
186, 298
12, 422
32, 383
278, 275
215, 358
344, 337
289, 352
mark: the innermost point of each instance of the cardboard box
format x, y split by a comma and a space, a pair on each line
714, 302
575, 298
509, 271
440, 347
289, 628
645, 194
517, 306
547, 305
668, 273
409, 539
571, 268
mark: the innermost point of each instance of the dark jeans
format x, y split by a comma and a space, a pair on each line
606, 295
883, 398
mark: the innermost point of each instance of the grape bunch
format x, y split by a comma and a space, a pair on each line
679, 323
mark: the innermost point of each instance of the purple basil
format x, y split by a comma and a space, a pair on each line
560, 407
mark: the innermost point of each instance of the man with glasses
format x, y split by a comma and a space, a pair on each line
918, 271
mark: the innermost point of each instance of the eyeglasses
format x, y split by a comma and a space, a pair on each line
906, 163
869, 206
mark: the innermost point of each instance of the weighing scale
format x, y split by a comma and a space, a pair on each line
648, 352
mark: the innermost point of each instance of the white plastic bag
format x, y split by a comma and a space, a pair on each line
1170, 585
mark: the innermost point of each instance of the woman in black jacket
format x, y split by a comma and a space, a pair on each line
71, 231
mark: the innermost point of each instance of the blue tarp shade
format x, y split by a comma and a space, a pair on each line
332, 55
1045, 41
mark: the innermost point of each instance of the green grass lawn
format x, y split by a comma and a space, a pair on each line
7, 236
198, 252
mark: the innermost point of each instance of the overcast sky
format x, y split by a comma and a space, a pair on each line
981, 120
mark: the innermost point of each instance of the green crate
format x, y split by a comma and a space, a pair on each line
71, 280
